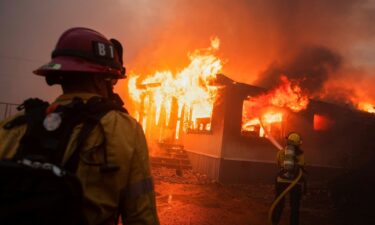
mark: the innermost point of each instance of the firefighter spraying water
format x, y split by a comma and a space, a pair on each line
290, 178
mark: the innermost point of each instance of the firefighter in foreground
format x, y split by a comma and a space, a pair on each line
112, 163
289, 180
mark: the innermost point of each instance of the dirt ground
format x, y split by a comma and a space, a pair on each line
192, 199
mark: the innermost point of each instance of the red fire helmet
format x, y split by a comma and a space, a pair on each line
87, 51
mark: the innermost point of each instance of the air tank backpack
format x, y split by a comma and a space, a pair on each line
35, 187
289, 169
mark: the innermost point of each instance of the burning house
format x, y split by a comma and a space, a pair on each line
231, 131
239, 149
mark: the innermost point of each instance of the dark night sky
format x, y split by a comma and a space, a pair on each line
158, 34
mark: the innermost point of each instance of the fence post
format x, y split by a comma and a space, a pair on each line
8, 109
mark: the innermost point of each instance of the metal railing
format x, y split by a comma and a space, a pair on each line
7, 109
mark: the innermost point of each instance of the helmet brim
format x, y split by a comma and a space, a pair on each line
67, 64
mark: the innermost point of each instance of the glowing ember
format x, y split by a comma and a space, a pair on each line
178, 100
263, 114
365, 106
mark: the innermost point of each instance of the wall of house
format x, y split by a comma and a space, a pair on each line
346, 140
204, 148
324, 148
207, 143
236, 146
229, 157
318, 146
204, 164
349, 132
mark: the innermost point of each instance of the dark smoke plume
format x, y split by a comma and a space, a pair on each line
312, 66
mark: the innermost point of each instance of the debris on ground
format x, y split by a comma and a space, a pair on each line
178, 176
189, 198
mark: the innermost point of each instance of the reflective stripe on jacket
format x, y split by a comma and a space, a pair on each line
128, 191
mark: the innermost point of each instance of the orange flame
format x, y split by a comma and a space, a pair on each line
287, 94
189, 87
263, 114
350, 90
366, 106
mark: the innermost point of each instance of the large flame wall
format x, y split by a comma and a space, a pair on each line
171, 104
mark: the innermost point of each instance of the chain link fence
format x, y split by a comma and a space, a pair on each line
7, 109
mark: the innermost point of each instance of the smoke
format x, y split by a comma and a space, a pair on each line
317, 42
324, 45
349, 86
255, 33
323, 74
311, 66
256, 36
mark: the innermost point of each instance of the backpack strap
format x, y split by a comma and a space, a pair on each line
50, 146
34, 115
96, 108
72, 115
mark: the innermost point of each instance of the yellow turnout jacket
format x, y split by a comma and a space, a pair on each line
128, 191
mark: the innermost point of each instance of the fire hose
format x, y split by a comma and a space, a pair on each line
294, 182
282, 195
